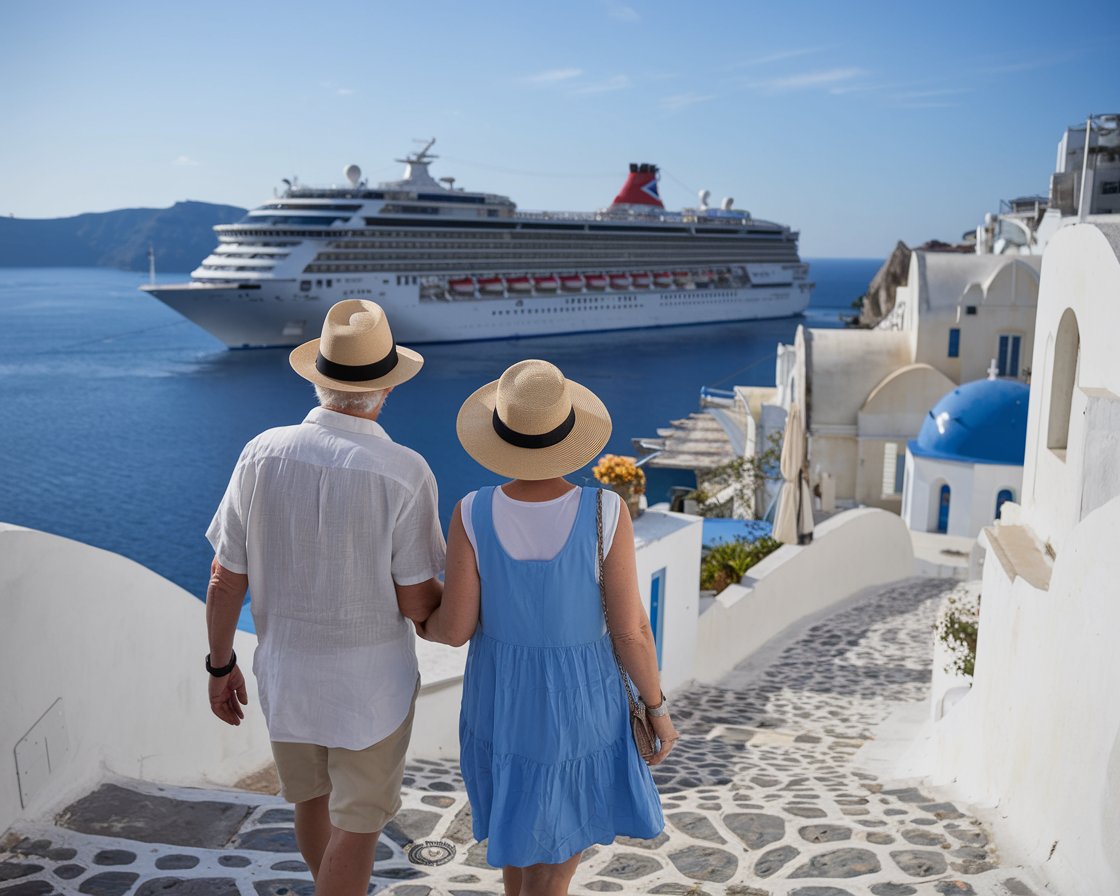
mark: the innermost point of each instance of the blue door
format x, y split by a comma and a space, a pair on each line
943, 510
1008, 360
1005, 494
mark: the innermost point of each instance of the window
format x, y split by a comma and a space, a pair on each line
1008, 355
943, 499
1005, 495
955, 342
1063, 377
970, 309
1110, 187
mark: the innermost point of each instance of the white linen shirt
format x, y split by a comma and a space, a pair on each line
324, 517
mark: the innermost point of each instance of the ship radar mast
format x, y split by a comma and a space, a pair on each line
416, 164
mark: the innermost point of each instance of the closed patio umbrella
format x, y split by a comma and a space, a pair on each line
793, 522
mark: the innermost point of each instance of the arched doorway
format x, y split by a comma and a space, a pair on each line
1004, 495
943, 498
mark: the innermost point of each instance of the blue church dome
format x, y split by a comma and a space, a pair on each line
982, 422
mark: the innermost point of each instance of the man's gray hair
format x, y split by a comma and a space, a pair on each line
361, 402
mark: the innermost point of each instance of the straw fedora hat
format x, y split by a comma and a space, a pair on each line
532, 423
356, 352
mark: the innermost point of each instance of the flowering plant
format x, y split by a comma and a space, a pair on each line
613, 469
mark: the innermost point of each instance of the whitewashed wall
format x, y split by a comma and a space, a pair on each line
973, 489
849, 552
121, 648
1038, 736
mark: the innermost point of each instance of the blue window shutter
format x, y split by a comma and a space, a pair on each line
1013, 365
954, 343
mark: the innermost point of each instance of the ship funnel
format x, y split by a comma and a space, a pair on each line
705, 195
640, 187
727, 203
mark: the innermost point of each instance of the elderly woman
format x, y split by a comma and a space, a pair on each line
547, 753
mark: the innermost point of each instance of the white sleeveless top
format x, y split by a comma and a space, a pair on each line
537, 530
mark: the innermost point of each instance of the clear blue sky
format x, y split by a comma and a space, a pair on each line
858, 123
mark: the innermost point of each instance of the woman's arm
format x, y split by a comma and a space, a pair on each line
455, 619
630, 629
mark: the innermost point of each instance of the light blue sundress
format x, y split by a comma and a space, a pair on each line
547, 755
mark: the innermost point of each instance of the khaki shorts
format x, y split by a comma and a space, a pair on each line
365, 785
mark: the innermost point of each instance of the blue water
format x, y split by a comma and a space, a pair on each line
122, 421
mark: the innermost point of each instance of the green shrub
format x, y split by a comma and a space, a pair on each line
958, 628
727, 563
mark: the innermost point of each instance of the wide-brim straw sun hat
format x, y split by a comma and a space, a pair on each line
356, 352
533, 423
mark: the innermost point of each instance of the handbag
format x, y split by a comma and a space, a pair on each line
640, 724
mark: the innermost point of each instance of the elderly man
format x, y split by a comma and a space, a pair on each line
332, 528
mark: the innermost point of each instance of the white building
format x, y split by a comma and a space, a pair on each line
1038, 735
967, 460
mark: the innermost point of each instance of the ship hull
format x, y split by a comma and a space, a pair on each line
275, 314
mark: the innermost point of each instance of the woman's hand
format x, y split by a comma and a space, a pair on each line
668, 736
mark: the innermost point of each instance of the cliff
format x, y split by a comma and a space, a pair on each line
181, 236
878, 301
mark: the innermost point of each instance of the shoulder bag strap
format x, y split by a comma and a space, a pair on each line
603, 596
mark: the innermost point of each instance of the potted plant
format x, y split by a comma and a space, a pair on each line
624, 476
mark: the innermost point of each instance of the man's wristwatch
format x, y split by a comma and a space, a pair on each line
222, 671
662, 708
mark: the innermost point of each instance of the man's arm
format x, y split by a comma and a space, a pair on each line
417, 602
224, 596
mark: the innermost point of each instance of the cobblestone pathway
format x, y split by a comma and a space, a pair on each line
761, 799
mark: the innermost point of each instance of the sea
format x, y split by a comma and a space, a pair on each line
120, 421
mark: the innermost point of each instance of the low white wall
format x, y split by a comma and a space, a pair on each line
108, 656
1039, 733
850, 551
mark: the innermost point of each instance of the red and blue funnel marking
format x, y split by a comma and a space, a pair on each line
640, 187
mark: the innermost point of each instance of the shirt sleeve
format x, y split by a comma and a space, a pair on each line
418, 546
227, 529
466, 507
612, 507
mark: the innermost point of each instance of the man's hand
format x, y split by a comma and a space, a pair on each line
227, 696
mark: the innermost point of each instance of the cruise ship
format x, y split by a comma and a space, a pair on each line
449, 265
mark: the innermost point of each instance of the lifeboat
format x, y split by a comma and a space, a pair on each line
596, 281
549, 283
490, 285
704, 278
620, 281
519, 284
681, 277
461, 286
640, 280
663, 279
572, 282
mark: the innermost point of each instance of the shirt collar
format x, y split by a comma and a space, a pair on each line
335, 420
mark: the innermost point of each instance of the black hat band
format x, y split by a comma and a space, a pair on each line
543, 440
357, 373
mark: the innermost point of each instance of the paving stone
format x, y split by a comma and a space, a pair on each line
13, 870
109, 883
967, 836
603, 886
44, 849
277, 816
418, 824
774, 860
756, 829
971, 867
696, 824
199, 886
29, 888
908, 795
954, 888
176, 862
847, 862
460, 830
630, 866
942, 811
383, 853
267, 840
924, 838
440, 802
806, 811
707, 863
284, 887
476, 856
675, 889
820, 891
656, 843
464, 878
1016, 887
411, 890
406, 873
234, 861
920, 862
825, 833
69, 872
879, 838
893, 890
741, 890
114, 811
290, 865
